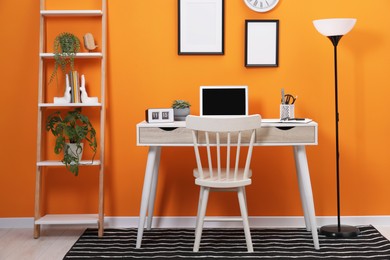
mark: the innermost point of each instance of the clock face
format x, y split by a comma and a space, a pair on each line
261, 5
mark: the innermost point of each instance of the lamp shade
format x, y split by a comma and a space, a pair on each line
334, 26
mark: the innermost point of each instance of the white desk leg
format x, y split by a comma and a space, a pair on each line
302, 169
302, 192
153, 189
152, 155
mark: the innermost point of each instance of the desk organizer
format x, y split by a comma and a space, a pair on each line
286, 111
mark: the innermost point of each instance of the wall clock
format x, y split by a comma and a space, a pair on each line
261, 5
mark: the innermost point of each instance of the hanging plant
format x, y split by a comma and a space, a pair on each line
65, 47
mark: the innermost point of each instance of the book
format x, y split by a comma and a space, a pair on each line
76, 88
70, 74
74, 82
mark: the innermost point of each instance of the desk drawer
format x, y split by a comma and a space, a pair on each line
165, 135
245, 137
297, 134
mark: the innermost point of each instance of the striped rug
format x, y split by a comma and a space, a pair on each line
227, 244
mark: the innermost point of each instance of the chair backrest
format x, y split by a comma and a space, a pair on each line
223, 132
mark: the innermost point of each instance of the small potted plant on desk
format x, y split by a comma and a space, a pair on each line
70, 131
181, 109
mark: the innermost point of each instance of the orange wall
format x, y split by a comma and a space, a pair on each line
145, 71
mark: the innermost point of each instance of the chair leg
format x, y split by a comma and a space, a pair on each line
199, 206
246, 203
200, 218
244, 215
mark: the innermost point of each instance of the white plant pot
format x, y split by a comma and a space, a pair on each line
180, 114
73, 150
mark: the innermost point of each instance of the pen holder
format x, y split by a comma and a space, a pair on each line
286, 111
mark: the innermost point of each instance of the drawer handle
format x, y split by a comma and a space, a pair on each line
168, 128
284, 128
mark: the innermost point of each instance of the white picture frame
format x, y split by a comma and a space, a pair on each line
159, 115
261, 43
201, 27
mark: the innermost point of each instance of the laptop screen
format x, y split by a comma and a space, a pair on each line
223, 100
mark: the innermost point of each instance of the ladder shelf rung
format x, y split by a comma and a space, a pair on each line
71, 13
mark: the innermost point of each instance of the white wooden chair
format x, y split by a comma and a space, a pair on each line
232, 135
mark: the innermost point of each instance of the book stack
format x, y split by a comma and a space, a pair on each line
74, 83
75, 91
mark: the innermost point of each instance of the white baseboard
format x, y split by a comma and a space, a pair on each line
189, 222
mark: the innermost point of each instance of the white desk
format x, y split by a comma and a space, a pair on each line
271, 133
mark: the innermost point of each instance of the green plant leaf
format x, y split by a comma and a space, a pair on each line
180, 104
75, 128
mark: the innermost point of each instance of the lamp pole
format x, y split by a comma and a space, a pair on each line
335, 40
338, 230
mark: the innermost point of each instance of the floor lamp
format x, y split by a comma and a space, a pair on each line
334, 29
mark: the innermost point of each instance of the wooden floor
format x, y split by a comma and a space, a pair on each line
19, 243
54, 243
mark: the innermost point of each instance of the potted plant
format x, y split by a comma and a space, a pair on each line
69, 131
65, 47
181, 109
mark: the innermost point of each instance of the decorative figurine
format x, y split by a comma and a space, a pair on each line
84, 94
89, 42
66, 98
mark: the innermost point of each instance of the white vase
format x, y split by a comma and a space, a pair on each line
180, 114
74, 151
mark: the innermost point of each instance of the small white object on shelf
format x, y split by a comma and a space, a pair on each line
66, 98
84, 94
89, 42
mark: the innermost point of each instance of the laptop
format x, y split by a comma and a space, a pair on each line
223, 100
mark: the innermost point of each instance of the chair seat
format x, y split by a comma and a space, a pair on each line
223, 182
206, 172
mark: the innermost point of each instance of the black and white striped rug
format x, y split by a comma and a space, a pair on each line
227, 244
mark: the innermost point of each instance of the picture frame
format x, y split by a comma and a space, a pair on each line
201, 27
159, 115
261, 43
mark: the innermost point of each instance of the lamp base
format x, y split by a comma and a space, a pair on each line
343, 231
